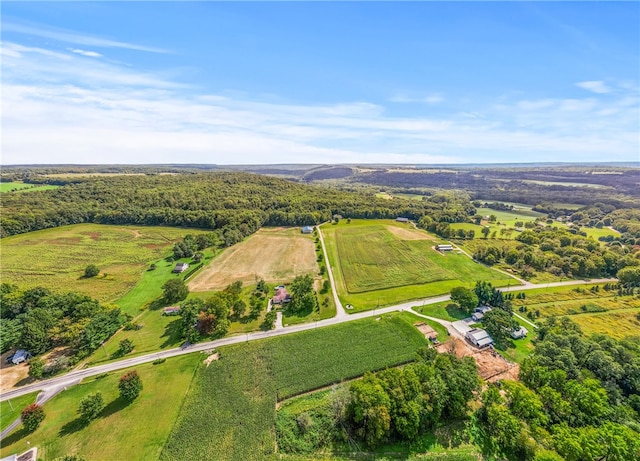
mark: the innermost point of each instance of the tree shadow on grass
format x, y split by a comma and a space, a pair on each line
172, 333
114, 406
158, 304
15, 437
72, 426
456, 312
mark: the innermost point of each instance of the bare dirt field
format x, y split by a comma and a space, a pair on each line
408, 234
11, 374
276, 255
426, 330
491, 365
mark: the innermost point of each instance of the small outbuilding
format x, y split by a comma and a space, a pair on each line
172, 310
477, 316
479, 337
519, 333
180, 267
20, 356
444, 247
307, 230
400, 219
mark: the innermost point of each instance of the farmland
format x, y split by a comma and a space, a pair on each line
595, 311
56, 258
121, 431
276, 255
381, 262
229, 412
24, 187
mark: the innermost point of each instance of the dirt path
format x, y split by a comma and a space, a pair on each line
340, 311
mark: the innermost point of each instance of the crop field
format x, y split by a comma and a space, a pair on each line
381, 262
121, 431
229, 412
23, 187
276, 255
595, 312
56, 258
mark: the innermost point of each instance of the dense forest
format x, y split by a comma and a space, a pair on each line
234, 204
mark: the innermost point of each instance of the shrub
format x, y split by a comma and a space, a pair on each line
32, 415
125, 346
91, 271
36, 368
90, 407
130, 385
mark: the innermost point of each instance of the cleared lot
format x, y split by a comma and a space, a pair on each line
273, 254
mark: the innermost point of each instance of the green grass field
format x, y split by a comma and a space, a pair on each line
56, 258
595, 312
229, 412
23, 187
373, 266
10, 409
133, 432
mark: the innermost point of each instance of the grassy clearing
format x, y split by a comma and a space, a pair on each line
375, 267
570, 184
522, 348
122, 431
616, 324
445, 310
276, 255
229, 412
56, 258
10, 409
23, 187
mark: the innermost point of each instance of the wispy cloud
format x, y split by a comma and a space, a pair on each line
76, 38
64, 108
91, 54
596, 86
429, 99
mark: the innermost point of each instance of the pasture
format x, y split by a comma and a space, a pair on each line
24, 187
122, 431
229, 412
56, 258
276, 255
381, 262
595, 311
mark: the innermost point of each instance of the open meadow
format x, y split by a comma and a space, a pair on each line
56, 258
598, 311
135, 431
24, 187
229, 412
276, 255
381, 262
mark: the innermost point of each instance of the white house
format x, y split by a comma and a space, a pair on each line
479, 337
519, 333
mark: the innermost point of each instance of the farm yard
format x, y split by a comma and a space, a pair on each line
276, 255
121, 431
381, 262
238, 393
56, 258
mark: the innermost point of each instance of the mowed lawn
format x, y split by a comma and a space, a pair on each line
381, 262
137, 431
10, 409
229, 412
276, 255
56, 258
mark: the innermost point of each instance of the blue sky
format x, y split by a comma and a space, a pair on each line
353, 82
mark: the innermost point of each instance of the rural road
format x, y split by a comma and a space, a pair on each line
75, 376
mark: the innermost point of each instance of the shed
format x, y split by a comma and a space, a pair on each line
172, 310
20, 356
519, 333
483, 309
477, 316
444, 247
399, 219
479, 337
307, 230
181, 267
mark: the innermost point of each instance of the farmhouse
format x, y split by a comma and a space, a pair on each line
519, 333
281, 296
307, 230
181, 267
172, 310
479, 337
399, 219
444, 247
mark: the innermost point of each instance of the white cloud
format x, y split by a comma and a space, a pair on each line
434, 98
596, 86
62, 108
91, 54
77, 38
